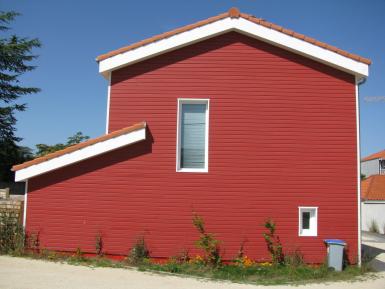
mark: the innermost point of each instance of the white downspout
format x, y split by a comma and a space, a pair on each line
108, 102
359, 82
25, 204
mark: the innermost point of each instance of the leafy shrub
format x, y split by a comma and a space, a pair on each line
207, 243
182, 257
11, 234
139, 252
99, 244
241, 259
79, 255
33, 241
49, 255
197, 260
241, 250
294, 259
244, 261
77, 258
273, 243
374, 227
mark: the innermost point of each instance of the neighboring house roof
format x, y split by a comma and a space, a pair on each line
373, 188
233, 20
378, 155
81, 151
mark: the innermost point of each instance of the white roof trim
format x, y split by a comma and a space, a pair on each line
81, 154
374, 201
241, 25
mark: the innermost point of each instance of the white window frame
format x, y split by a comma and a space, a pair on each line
182, 101
313, 223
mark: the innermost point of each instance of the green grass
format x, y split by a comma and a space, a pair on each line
257, 274
254, 274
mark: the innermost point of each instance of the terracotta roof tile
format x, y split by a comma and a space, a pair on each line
80, 146
162, 36
310, 40
373, 188
378, 155
233, 13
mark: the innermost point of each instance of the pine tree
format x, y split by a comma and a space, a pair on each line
15, 56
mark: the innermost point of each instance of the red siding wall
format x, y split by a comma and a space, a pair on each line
282, 134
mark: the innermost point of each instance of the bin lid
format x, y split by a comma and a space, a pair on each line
335, 242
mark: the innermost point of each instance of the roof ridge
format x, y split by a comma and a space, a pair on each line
160, 36
303, 37
234, 13
81, 145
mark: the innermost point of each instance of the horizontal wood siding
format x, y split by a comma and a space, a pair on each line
282, 135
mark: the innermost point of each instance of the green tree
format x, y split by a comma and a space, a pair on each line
77, 138
15, 57
43, 149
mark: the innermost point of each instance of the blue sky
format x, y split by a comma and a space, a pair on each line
73, 33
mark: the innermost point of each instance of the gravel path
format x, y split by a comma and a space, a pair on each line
21, 273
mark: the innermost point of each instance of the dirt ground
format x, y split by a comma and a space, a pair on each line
22, 273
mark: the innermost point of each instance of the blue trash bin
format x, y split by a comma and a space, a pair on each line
335, 249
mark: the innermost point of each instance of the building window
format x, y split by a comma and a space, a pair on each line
192, 135
308, 221
382, 167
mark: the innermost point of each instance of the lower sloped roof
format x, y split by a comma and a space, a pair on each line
373, 188
81, 151
378, 155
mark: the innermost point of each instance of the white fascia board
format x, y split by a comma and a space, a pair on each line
240, 25
302, 47
81, 154
162, 46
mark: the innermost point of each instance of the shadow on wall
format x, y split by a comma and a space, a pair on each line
96, 163
218, 42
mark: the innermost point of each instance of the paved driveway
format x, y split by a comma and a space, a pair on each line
20, 273
373, 246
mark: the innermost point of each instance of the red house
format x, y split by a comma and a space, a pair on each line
232, 118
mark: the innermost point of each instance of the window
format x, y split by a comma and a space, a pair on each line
382, 167
308, 221
192, 135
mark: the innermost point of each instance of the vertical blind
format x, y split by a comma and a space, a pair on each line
193, 134
305, 220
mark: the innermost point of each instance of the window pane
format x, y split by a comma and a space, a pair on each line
193, 125
305, 220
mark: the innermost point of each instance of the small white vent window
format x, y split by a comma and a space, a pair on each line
308, 221
192, 135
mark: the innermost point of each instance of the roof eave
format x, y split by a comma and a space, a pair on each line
274, 35
30, 169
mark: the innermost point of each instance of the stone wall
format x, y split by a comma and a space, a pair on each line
11, 205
